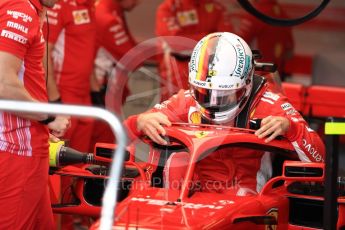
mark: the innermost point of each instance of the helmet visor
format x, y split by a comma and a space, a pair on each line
218, 100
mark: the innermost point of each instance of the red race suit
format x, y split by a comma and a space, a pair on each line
247, 171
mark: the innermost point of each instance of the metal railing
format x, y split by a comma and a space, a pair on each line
111, 190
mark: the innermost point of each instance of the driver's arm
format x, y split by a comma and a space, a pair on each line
272, 127
284, 120
152, 122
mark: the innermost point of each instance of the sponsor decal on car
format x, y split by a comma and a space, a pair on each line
195, 117
201, 134
184, 204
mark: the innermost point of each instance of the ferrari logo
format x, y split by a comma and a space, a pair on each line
272, 212
201, 134
187, 18
81, 17
212, 72
209, 7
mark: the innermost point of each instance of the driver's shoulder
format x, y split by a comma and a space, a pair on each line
268, 98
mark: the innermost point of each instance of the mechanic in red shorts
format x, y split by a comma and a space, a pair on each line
114, 40
225, 91
71, 35
24, 197
190, 19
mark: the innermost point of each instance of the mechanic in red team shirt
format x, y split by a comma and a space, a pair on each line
276, 44
190, 19
114, 40
24, 197
71, 35
225, 91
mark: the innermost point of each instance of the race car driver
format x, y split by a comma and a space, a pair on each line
224, 91
24, 197
191, 19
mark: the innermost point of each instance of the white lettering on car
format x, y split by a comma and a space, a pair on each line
13, 36
17, 26
17, 14
185, 205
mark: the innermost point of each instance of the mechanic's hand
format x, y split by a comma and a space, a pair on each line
272, 126
60, 125
151, 124
53, 138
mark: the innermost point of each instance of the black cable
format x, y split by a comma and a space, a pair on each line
281, 22
47, 52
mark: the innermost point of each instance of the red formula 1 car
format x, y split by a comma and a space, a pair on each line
291, 199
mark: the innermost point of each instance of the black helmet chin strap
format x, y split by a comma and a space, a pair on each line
242, 118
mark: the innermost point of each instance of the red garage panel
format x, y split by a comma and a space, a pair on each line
296, 94
325, 101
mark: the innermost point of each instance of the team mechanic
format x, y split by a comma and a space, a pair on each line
114, 40
192, 19
24, 197
71, 35
223, 91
